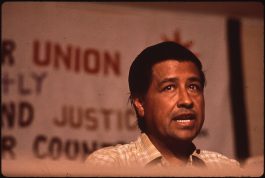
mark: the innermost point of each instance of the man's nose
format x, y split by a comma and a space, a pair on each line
184, 100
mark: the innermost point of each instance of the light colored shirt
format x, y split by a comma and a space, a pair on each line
143, 153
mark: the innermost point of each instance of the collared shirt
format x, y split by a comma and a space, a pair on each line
143, 153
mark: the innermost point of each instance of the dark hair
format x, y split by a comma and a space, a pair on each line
140, 72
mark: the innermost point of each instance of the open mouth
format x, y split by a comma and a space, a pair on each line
185, 117
185, 120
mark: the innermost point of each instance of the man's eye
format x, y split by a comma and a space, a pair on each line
169, 88
194, 87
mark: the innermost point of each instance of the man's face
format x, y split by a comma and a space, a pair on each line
174, 103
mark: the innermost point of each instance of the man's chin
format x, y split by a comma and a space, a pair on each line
185, 137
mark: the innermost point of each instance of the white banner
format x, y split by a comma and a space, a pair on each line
64, 76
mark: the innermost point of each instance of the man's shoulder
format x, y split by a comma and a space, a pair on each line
111, 155
217, 159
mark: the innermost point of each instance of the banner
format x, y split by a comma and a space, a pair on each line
64, 76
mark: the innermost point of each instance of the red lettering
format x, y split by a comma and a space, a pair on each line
74, 59
45, 61
77, 60
91, 61
64, 57
112, 63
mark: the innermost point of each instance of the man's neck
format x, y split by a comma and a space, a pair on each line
174, 151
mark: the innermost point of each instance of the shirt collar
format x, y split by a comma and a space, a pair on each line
149, 150
153, 156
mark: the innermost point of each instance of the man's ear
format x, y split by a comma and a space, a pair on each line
138, 104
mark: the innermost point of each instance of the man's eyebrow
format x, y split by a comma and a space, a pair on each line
195, 79
165, 80
174, 79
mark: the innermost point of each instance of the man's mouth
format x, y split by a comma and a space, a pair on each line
185, 117
185, 120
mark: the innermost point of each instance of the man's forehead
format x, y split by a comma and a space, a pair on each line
175, 71
169, 67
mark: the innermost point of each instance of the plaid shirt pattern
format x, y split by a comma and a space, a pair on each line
143, 153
